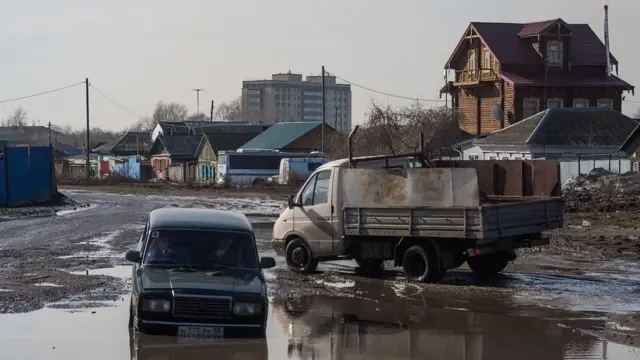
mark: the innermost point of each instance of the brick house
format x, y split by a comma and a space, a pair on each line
526, 68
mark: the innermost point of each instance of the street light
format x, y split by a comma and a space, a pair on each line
198, 98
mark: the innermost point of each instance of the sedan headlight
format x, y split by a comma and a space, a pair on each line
247, 309
156, 305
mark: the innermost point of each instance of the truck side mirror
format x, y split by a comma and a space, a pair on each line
290, 203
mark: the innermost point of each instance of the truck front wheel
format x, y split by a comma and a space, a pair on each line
299, 257
420, 264
489, 264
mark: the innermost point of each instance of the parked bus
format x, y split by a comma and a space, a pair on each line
301, 168
252, 166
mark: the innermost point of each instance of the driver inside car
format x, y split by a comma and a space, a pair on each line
225, 253
160, 251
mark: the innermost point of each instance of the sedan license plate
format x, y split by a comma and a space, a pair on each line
200, 333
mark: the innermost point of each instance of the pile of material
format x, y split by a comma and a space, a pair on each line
602, 191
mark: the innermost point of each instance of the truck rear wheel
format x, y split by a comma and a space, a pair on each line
420, 264
489, 264
299, 257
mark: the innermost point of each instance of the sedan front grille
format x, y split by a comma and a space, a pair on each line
202, 307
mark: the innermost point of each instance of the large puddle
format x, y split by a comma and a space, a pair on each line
314, 328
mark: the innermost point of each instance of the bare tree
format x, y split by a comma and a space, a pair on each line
394, 131
231, 110
17, 118
198, 117
169, 112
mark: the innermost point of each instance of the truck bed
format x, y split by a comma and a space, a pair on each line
478, 222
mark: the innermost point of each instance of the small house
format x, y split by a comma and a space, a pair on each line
554, 134
208, 148
175, 154
299, 136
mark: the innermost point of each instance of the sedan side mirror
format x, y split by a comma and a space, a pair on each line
267, 262
133, 256
290, 202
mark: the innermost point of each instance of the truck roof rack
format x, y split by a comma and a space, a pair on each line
420, 156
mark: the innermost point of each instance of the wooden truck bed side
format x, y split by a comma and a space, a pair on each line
481, 222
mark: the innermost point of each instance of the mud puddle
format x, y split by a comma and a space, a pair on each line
317, 327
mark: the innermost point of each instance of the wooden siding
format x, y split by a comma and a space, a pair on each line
568, 95
207, 154
311, 141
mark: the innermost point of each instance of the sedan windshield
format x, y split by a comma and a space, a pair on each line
201, 248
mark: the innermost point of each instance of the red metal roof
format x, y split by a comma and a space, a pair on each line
535, 27
506, 43
565, 79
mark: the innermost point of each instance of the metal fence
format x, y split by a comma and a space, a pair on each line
26, 175
581, 165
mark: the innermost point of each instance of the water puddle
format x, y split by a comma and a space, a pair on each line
121, 271
47, 284
314, 327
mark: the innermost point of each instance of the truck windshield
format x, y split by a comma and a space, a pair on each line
201, 248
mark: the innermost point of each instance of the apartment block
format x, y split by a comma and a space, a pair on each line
290, 97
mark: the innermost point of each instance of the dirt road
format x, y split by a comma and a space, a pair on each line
72, 264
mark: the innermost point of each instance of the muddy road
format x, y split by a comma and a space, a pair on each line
63, 285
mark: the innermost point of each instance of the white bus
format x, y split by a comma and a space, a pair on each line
302, 167
252, 166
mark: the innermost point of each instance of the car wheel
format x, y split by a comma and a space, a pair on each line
299, 257
420, 264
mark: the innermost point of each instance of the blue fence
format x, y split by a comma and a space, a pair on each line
129, 168
26, 175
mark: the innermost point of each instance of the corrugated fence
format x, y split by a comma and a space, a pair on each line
573, 167
26, 175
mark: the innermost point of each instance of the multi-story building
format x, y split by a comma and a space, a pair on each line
289, 97
506, 72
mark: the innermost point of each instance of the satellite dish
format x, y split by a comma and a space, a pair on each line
497, 111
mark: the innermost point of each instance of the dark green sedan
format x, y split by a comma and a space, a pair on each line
197, 274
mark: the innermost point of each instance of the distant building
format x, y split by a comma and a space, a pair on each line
290, 98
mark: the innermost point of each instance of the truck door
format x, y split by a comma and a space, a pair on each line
313, 217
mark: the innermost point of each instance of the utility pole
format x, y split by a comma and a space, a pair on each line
211, 110
323, 113
86, 82
198, 98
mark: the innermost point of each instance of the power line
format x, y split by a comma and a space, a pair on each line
41, 93
113, 102
382, 92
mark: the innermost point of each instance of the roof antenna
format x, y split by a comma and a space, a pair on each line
606, 38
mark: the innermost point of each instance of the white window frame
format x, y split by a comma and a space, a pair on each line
530, 101
608, 103
474, 157
579, 101
560, 102
486, 60
472, 60
557, 59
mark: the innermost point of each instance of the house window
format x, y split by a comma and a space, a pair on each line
580, 103
472, 60
554, 103
486, 65
554, 53
473, 157
530, 107
605, 103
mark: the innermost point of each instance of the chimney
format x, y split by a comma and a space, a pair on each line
606, 38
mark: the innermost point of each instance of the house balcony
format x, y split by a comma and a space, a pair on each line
474, 77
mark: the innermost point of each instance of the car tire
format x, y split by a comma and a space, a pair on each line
489, 264
420, 264
299, 257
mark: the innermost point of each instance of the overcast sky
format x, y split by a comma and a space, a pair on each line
139, 52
